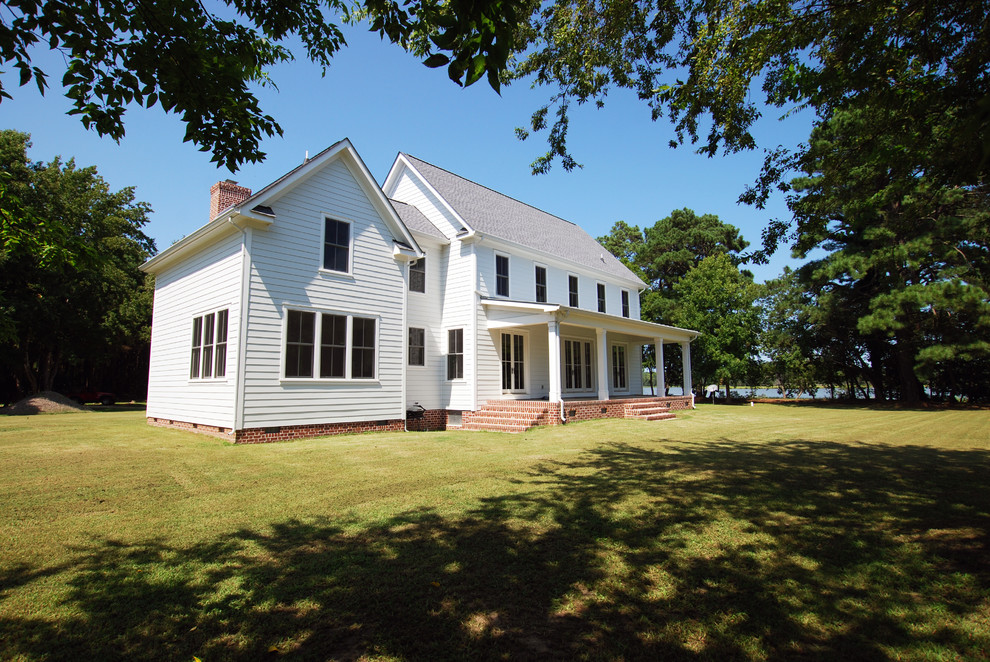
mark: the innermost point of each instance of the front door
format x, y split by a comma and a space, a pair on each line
513, 363
577, 365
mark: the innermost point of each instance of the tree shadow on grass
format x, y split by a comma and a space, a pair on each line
721, 550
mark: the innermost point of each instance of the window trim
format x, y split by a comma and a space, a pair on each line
590, 370
574, 296
624, 303
409, 347
449, 354
601, 291
202, 347
410, 284
536, 282
318, 343
324, 217
507, 277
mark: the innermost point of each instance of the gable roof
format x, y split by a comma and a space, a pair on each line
415, 220
497, 215
254, 212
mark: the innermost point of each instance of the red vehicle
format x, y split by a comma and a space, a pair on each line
83, 396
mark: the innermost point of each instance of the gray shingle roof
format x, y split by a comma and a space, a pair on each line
415, 220
495, 214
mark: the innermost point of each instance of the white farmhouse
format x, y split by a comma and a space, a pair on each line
326, 304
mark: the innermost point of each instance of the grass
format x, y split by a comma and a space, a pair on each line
732, 533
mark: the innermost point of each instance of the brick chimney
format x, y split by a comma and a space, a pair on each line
226, 194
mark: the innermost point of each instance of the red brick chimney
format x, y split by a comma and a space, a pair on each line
226, 194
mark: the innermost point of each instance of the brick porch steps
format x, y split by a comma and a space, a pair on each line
648, 410
520, 415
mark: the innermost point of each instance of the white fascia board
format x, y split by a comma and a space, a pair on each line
391, 181
559, 262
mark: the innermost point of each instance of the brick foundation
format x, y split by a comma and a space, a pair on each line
433, 420
281, 432
496, 415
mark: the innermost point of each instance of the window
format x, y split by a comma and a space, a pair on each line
619, 367
417, 346
417, 275
209, 346
347, 345
221, 346
337, 245
625, 303
333, 346
541, 284
455, 354
299, 343
502, 275
572, 288
601, 297
363, 348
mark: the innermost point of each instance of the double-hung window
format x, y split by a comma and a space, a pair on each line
417, 275
336, 245
455, 354
417, 346
347, 345
208, 358
502, 275
601, 297
572, 290
625, 303
541, 284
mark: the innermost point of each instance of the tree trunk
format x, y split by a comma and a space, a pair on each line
910, 385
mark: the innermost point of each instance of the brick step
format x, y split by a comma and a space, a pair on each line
653, 417
646, 411
497, 427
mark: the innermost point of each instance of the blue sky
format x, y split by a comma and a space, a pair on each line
386, 101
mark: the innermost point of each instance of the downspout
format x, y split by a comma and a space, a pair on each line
242, 325
405, 342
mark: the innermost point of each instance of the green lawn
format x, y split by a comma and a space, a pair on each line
750, 533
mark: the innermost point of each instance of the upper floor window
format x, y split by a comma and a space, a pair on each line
209, 346
601, 297
572, 289
625, 303
541, 284
336, 245
455, 354
417, 275
347, 345
502, 275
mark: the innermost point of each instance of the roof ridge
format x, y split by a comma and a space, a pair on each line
488, 188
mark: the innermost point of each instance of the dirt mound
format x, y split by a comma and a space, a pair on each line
46, 402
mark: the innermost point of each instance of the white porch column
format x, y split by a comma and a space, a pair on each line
686, 365
602, 364
661, 378
553, 329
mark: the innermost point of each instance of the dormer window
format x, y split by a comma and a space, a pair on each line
502, 275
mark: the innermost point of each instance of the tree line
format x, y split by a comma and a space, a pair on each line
75, 311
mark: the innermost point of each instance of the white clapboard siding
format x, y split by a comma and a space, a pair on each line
425, 310
459, 307
208, 282
285, 272
411, 190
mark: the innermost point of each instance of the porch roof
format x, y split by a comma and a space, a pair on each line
504, 313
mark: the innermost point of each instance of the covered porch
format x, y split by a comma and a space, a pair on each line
578, 360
